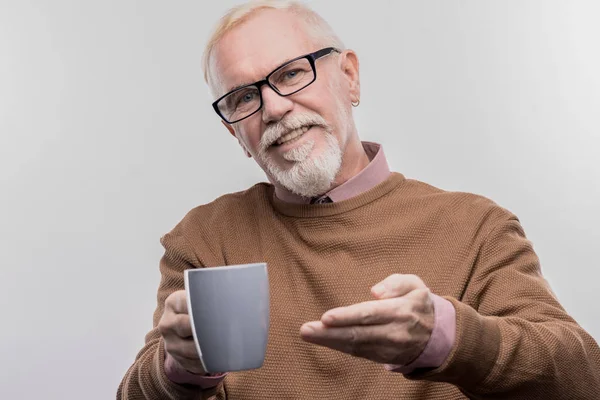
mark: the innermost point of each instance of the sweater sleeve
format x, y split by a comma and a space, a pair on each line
513, 338
146, 378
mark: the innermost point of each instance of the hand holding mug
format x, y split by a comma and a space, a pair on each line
176, 330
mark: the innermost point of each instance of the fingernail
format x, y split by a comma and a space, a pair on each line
378, 289
307, 330
327, 317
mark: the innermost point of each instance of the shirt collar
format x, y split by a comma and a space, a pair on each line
373, 174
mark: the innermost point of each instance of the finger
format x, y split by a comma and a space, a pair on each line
175, 325
184, 350
182, 326
177, 301
421, 300
372, 341
397, 285
366, 313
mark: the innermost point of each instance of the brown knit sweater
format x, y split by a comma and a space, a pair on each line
514, 340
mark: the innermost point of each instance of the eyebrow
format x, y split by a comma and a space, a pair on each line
231, 89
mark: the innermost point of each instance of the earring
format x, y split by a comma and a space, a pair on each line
355, 104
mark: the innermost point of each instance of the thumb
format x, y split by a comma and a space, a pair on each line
396, 285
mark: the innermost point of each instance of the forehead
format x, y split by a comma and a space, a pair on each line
254, 48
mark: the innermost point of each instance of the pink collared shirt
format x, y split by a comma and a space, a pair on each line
444, 329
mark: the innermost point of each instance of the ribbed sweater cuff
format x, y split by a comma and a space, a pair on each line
474, 352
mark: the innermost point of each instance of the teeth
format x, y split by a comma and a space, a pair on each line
292, 135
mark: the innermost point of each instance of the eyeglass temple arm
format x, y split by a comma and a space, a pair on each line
324, 52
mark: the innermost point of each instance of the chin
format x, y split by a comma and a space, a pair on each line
312, 176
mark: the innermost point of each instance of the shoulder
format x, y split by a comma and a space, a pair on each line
226, 208
456, 205
207, 226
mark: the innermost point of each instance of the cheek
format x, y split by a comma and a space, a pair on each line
332, 109
330, 100
250, 132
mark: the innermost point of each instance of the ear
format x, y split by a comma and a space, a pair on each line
350, 68
232, 132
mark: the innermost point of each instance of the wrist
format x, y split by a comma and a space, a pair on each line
440, 342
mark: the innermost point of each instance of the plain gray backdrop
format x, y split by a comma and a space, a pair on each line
107, 139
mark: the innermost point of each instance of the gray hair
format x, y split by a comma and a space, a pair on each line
316, 27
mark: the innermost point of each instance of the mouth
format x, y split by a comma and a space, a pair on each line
292, 136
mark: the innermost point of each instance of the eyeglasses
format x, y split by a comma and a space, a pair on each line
285, 80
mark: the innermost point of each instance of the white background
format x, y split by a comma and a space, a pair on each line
107, 139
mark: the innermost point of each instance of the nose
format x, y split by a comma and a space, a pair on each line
274, 105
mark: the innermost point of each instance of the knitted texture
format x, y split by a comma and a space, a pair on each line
514, 340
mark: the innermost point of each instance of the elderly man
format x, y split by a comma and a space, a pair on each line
382, 287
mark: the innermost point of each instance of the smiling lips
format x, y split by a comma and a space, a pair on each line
293, 135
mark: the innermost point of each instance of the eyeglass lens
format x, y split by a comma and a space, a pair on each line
288, 79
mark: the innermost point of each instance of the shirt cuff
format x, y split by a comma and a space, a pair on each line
177, 374
440, 342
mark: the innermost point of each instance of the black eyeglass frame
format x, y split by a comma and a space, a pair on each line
312, 57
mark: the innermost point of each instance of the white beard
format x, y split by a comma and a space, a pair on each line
309, 176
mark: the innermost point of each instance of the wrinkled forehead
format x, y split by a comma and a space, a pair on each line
254, 48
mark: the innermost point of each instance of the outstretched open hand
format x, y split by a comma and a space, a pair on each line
393, 329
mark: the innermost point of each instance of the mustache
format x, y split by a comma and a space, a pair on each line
288, 124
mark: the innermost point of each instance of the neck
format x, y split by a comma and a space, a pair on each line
354, 160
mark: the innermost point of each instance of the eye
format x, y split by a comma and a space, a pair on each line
291, 74
248, 97
245, 97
